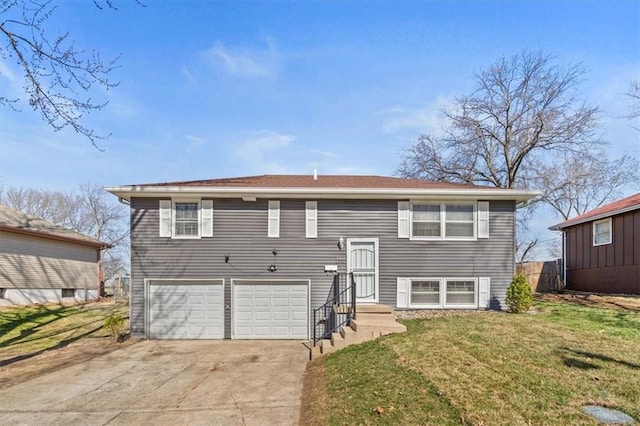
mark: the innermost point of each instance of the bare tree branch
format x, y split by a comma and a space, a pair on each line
57, 74
525, 111
90, 210
576, 183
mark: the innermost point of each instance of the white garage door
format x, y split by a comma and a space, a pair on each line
270, 309
186, 309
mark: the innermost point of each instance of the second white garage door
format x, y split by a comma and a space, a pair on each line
270, 309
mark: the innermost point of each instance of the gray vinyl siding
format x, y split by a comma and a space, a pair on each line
28, 262
240, 231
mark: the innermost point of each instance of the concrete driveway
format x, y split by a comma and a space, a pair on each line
168, 382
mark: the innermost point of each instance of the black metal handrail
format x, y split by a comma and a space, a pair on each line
337, 311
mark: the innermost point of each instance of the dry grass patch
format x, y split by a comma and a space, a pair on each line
537, 368
35, 339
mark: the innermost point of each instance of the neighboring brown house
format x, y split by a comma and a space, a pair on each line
601, 248
41, 262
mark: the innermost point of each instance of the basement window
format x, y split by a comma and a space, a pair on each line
2, 292
68, 292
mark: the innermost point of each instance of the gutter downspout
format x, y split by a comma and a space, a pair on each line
564, 259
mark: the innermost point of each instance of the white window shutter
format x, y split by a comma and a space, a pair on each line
274, 219
403, 219
165, 218
483, 219
402, 300
311, 219
484, 292
206, 217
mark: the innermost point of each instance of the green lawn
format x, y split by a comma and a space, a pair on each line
29, 331
494, 368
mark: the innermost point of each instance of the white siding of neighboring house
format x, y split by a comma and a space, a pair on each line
35, 270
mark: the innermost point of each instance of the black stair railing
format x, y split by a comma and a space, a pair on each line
338, 310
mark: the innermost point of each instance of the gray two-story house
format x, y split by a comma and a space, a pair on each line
252, 257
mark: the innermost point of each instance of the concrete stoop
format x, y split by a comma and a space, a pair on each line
371, 322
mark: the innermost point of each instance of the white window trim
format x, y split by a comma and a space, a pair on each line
461, 306
175, 201
273, 213
443, 290
610, 222
443, 224
425, 305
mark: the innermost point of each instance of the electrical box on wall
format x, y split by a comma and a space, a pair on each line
331, 268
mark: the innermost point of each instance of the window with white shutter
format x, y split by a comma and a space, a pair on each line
311, 219
273, 230
165, 218
403, 219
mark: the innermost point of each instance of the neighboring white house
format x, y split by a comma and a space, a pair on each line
41, 262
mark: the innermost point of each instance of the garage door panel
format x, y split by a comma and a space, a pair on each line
186, 310
270, 310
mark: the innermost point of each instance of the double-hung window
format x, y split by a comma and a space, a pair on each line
460, 292
186, 219
443, 221
602, 232
180, 218
425, 292
426, 220
459, 221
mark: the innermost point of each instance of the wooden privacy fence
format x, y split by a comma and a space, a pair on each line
541, 276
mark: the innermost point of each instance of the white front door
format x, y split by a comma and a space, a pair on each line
362, 260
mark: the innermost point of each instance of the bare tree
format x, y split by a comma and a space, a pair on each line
523, 108
523, 111
633, 95
575, 184
90, 210
58, 75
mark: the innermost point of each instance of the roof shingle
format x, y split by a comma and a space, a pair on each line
14, 220
322, 181
629, 203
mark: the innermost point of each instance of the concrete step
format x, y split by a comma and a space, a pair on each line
316, 351
374, 309
338, 342
327, 347
381, 318
376, 327
348, 334
371, 322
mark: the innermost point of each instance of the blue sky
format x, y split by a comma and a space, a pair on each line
232, 88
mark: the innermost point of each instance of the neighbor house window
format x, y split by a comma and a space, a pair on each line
186, 219
425, 292
460, 291
602, 232
443, 221
68, 292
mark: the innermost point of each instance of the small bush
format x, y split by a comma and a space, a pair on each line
519, 296
115, 325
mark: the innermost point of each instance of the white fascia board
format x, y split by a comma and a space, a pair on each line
593, 218
128, 192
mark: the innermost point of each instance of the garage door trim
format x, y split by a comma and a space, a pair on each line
147, 295
241, 281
